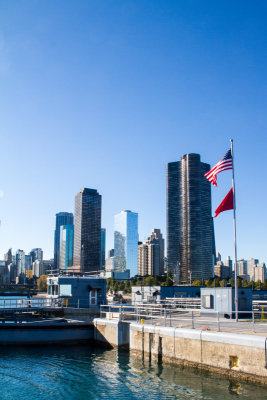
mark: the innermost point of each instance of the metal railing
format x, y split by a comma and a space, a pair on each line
30, 303
182, 302
161, 315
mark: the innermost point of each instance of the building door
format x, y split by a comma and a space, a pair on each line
93, 297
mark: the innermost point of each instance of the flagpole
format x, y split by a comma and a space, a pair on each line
233, 182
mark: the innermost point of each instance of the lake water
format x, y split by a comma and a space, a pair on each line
88, 372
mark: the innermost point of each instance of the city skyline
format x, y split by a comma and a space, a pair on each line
106, 95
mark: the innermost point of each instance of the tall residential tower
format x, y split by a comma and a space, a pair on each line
190, 231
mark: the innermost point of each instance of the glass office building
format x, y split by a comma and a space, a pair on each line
126, 242
190, 231
62, 218
66, 246
87, 230
36, 254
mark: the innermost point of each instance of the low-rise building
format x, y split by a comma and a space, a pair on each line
153, 294
77, 291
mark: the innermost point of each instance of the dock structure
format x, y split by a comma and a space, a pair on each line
211, 342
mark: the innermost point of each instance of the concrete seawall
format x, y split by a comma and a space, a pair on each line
237, 355
111, 332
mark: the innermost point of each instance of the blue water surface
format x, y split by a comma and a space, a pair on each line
89, 372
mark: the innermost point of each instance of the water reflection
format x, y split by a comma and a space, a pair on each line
83, 372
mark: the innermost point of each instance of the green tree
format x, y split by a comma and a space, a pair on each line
128, 286
208, 283
197, 282
246, 283
239, 282
216, 282
256, 285
169, 279
232, 282
42, 283
150, 281
110, 283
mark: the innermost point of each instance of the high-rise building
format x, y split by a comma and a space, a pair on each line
222, 271
110, 252
8, 257
148, 259
157, 238
87, 230
190, 231
62, 218
251, 265
20, 263
66, 246
103, 249
242, 268
126, 242
47, 267
260, 272
151, 255
229, 263
28, 264
36, 254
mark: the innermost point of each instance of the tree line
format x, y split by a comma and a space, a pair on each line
167, 280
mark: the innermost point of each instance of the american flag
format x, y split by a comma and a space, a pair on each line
225, 163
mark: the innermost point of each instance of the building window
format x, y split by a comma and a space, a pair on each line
93, 297
65, 290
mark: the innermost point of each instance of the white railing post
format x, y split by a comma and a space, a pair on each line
218, 321
193, 326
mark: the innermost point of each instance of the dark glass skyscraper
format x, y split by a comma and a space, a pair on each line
87, 230
190, 231
36, 254
62, 218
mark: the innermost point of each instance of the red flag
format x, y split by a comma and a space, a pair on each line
226, 204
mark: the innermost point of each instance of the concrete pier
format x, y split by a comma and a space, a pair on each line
111, 332
238, 355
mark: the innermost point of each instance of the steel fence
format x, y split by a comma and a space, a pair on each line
30, 303
163, 315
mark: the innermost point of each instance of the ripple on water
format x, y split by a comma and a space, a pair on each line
83, 372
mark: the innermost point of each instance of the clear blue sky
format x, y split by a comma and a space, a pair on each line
102, 94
